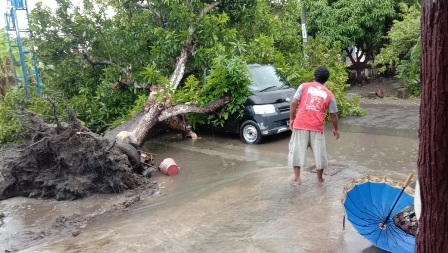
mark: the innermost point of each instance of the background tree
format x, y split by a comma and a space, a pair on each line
401, 55
5, 64
358, 25
432, 158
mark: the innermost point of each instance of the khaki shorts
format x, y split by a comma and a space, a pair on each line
299, 143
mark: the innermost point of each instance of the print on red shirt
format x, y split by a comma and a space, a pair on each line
315, 99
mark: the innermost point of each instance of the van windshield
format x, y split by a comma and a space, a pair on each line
266, 77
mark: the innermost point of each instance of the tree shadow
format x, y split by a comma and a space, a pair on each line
374, 249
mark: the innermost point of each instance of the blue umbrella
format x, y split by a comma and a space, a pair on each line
370, 203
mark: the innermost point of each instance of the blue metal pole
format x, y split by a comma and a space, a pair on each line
10, 19
22, 55
12, 23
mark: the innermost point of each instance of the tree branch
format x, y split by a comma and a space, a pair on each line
180, 109
349, 54
208, 8
55, 114
188, 47
95, 62
153, 11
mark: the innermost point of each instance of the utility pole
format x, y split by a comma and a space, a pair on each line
303, 21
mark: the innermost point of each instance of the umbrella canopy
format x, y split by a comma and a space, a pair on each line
371, 202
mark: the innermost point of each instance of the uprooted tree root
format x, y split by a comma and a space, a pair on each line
64, 161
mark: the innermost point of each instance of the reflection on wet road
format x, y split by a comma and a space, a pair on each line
232, 197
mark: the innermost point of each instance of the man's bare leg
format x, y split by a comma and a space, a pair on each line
297, 180
320, 173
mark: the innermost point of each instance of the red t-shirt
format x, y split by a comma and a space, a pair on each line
312, 108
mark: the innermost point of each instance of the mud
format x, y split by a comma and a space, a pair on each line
65, 162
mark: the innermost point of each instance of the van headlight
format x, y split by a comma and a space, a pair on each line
264, 109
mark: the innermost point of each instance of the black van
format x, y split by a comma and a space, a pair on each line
266, 110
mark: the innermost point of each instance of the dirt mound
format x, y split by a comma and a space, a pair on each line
64, 161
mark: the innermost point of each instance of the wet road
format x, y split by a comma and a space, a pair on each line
231, 197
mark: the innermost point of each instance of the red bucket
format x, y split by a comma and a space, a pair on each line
169, 167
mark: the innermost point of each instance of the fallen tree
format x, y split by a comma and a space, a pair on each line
156, 111
67, 161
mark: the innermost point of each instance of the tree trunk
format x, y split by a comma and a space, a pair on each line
432, 236
358, 61
147, 122
179, 69
159, 112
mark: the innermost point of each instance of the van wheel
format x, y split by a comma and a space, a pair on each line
131, 152
250, 132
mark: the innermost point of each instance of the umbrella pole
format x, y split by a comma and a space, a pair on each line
408, 181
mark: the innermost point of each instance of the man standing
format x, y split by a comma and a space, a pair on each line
307, 117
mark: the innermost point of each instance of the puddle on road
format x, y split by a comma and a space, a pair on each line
231, 197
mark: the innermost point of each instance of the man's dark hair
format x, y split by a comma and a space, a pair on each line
321, 74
